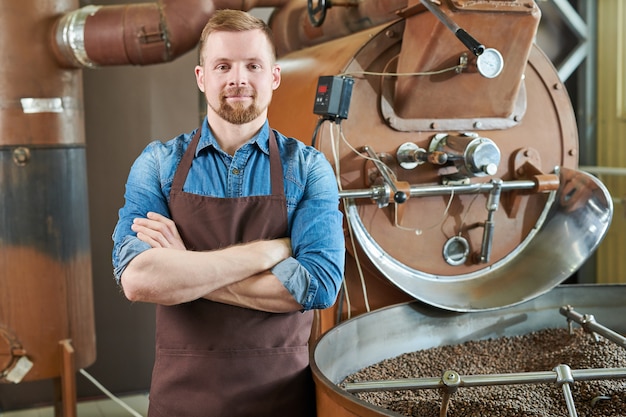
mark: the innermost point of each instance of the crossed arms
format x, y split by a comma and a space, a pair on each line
238, 275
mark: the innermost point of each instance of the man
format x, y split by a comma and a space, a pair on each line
234, 231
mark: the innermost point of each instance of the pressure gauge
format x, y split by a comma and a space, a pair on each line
490, 63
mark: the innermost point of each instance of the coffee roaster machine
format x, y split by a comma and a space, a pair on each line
453, 140
455, 149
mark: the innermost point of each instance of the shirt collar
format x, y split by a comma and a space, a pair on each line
261, 139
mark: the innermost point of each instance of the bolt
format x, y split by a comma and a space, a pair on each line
21, 156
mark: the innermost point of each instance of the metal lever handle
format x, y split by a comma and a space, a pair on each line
398, 196
492, 206
472, 44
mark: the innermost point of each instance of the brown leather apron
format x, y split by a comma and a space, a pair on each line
214, 359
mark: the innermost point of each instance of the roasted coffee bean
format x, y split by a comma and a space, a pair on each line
535, 352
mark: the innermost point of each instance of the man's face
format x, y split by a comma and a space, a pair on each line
238, 75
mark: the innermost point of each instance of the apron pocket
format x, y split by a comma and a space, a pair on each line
250, 382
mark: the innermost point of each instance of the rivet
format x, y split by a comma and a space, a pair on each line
21, 156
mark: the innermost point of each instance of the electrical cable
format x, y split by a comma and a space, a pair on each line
316, 130
335, 151
455, 68
109, 393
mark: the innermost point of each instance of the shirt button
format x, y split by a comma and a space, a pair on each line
235, 171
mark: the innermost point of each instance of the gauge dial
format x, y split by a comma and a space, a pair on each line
490, 63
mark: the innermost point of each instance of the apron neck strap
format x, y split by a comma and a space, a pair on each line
276, 167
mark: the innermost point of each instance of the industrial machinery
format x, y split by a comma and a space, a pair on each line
455, 149
456, 160
453, 140
408, 327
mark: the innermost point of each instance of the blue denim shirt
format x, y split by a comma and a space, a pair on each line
313, 274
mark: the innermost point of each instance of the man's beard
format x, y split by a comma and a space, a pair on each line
237, 114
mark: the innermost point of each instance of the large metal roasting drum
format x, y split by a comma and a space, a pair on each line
459, 189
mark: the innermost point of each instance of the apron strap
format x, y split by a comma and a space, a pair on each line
185, 163
276, 167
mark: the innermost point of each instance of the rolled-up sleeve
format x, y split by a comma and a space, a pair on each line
123, 253
143, 193
314, 274
297, 280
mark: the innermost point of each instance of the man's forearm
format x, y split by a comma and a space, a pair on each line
171, 276
262, 292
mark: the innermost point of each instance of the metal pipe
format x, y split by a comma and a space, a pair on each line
435, 190
589, 323
565, 378
157, 32
294, 31
468, 381
617, 171
137, 34
493, 202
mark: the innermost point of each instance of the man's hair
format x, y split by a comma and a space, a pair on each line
226, 20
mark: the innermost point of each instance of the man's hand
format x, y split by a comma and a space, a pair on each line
158, 231
167, 277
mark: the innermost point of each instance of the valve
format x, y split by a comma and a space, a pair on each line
469, 154
317, 14
465, 155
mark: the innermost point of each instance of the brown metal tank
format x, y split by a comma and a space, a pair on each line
46, 301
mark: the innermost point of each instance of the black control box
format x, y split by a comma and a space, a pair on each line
332, 97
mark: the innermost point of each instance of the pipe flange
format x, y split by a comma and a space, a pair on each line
70, 36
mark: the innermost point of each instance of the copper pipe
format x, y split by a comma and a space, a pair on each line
39, 102
137, 34
293, 30
151, 33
